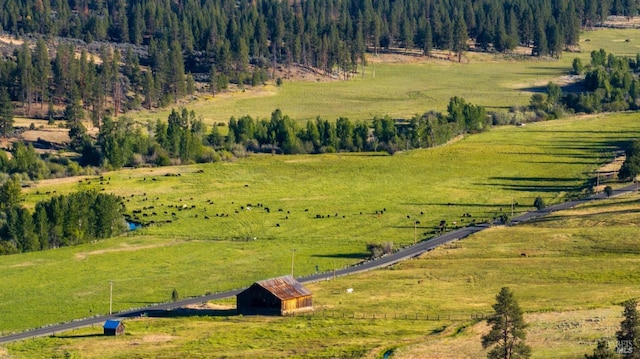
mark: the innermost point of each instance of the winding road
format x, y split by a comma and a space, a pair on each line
385, 261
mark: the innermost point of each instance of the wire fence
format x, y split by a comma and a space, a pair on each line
396, 316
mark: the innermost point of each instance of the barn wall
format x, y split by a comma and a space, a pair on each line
257, 300
297, 305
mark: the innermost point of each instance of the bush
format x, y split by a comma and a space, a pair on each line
539, 203
608, 191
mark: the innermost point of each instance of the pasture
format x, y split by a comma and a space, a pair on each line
324, 209
210, 247
580, 264
404, 86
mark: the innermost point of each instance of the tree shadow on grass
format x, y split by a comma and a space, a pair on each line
78, 336
191, 312
343, 255
551, 219
139, 302
452, 204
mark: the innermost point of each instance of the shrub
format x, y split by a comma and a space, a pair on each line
608, 191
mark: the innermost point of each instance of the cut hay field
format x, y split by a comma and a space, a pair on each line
402, 87
580, 265
479, 175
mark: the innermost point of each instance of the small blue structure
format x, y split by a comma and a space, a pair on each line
113, 327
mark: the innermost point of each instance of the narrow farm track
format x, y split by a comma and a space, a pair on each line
403, 254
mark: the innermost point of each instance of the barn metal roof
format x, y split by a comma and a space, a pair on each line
111, 324
285, 287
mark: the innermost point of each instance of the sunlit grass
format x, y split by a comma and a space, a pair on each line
403, 89
480, 175
570, 284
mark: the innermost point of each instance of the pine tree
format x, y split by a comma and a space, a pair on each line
10, 193
42, 67
428, 39
629, 334
540, 46
602, 351
25, 76
6, 113
460, 36
507, 329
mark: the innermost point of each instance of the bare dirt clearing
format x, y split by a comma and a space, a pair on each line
124, 248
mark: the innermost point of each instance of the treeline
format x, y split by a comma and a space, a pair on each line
60, 221
631, 167
185, 139
26, 163
312, 32
89, 86
282, 134
243, 41
611, 83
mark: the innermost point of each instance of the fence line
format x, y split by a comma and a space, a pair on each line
396, 316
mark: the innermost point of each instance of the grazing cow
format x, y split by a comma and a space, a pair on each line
524, 255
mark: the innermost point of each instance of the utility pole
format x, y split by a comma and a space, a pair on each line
293, 250
415, 232
110, 297
512, 207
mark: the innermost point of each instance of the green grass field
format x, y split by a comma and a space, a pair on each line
580, 264
403, 89
479, 175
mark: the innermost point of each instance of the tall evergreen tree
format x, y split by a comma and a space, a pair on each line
507, 332
629, 334
460, 36
42, 68
6, 113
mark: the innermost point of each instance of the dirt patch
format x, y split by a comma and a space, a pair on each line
123, 248
210, 306
612, 167
55, 135
158, 338
26, 264
53, 182
622, 22
10, 40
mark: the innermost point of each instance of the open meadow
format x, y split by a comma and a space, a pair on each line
404, 86
323, 207
580, 265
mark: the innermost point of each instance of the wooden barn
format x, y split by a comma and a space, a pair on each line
276, 296
113, 327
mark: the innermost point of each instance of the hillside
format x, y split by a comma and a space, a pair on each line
420, 308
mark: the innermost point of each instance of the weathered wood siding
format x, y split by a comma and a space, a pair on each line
297, 305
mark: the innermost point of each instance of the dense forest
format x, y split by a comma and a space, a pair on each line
152, 52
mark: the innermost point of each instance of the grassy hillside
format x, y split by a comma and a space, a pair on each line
579, 265
479, 175
402, 87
